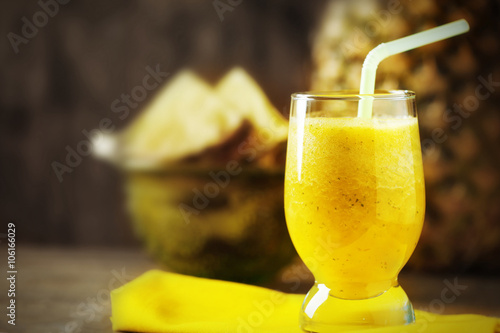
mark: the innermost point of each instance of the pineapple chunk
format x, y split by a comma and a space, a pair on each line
248, 99
185, 118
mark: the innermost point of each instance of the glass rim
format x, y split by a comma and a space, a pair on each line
354, 95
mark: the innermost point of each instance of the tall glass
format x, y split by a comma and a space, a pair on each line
354, 204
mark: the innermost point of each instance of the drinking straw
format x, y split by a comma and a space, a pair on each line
385, 50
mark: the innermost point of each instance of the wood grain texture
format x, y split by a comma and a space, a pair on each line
67, 289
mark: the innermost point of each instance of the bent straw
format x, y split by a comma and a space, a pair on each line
385, 50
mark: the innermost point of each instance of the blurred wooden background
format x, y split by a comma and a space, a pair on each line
65, 78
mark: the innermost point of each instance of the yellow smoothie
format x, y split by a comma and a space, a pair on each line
354, 200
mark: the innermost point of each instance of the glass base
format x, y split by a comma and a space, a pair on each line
322, 312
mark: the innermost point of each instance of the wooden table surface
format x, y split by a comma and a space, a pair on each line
67, 289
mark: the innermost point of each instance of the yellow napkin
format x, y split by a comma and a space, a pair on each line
166, 302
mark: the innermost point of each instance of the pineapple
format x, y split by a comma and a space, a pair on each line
457, 82
204, 178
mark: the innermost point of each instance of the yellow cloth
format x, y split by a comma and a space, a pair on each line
166, 302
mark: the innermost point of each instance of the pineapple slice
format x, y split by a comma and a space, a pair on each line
185, 118
248, 99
